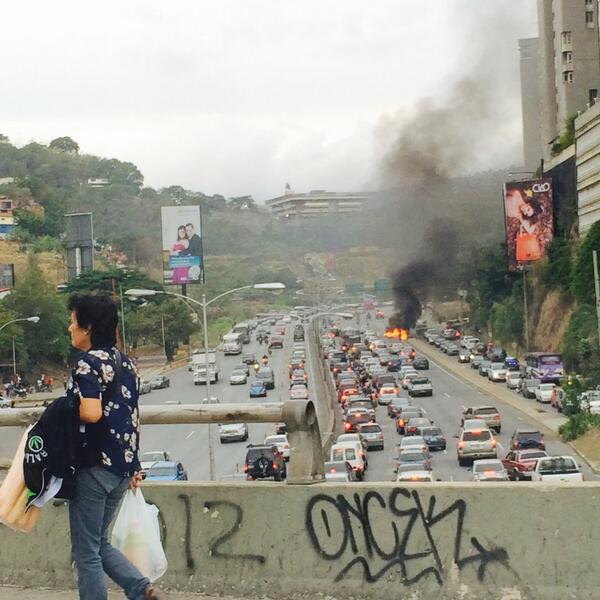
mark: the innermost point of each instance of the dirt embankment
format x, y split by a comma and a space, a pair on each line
549, 322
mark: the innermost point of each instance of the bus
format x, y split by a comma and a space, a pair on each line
545, 366
232, 343
244, 330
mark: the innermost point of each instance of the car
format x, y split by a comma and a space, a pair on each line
211, 400
528, 387
419, 386
489, 414
484, 367
476, 360
295, 363
433, 436
281, 441
372, 435
497, 372
543, 393
276, 341
298, 376
410, 472
524, 438
411, 442
258, 389
350, 452
339, 471
420, 363
554, 469
299, 392
416, 457
242, 367
474, 444
6, 402
452, 349
263, 462
359, 402
464, 355
249, 358
414, 423
238, 377
513, 380
357, 439
489, 470
410, 412
395, 406
159, 382
379, 314
512, 363
387, 397
166, 471
145, 387
233, 432
147, 459
394, 365
408, 377
355, 418
520, 463
267, 376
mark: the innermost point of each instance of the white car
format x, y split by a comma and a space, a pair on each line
513, 380
339, 471
298, 392
354, 438
411, 442
233, 432
543, 393
352, 453
238, 377
497, 372
282, 444
489, 470
419, 386
6, 403
410, 473
147, 459
211, 400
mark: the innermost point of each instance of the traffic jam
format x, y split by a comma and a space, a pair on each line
388, 404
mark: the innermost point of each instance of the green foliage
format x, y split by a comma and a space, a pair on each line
567, 137
556, 271
580, 345
577, 425
64, 144
102, 281
34, 295
582, 279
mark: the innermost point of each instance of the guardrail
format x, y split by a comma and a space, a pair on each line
306, 456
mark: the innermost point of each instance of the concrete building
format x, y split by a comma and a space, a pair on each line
530, 102
317, 203
560, 73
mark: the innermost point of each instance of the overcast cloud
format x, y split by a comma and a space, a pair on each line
240, 97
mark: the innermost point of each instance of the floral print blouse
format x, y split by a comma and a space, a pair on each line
112, 442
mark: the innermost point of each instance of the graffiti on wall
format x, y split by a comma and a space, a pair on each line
400, 534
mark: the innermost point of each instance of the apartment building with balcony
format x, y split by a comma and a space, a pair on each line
317, 203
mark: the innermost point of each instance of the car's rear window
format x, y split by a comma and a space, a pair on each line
557, 466
255, 453
490, 410
420, 380
530, 435
531, 455
335, 467
488, 467
431, 431
370, 429
476, 436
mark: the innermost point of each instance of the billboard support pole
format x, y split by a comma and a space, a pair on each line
597, 287
211, 453
525, 310
184, 289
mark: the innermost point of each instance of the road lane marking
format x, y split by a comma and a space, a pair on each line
447, 395
189, 435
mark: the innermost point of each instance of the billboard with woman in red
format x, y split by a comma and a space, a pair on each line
529, 221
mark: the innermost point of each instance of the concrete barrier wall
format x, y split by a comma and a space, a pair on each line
467, 541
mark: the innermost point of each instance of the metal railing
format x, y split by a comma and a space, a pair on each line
306, 456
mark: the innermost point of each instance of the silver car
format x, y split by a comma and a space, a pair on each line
233, 432
474, 444
372, 435
497, 372
489, 470
339, 471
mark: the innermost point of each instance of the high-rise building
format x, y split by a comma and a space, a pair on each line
530, 102
317, 203
568, 70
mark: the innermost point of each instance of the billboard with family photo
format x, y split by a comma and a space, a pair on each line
528, 219
183, 261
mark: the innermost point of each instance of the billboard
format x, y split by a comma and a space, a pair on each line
79, 241
182, 257
528, 220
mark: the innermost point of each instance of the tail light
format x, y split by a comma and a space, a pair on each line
286, 446
542, 445
347, 426
275, 466
245, 468
461, 445
380, 436
493, 443
516, 443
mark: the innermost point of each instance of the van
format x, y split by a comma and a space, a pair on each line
350, 452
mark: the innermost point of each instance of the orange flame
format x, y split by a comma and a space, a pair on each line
396, 333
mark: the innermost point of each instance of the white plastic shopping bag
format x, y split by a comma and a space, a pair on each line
136, 534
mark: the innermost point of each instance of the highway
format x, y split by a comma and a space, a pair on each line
450, 393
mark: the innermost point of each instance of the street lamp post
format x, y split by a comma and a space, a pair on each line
33, 319
204, 304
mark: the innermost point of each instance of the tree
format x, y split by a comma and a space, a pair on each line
35, 296
4, 139
64, 144
102, 281
582, 280
241, 203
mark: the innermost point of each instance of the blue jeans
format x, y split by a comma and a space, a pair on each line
91, 512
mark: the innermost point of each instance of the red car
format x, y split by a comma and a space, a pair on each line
520, 463
379, 314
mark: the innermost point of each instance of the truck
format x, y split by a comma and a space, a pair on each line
556, 468
232, 343
199, 364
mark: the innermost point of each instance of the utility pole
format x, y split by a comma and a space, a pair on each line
525, 311
14, 356
122, 320
597, 287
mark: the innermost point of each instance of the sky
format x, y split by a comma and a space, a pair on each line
239, 97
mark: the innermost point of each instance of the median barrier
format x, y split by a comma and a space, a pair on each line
381, 541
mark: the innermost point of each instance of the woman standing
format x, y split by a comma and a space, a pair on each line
180, 274
106, 385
